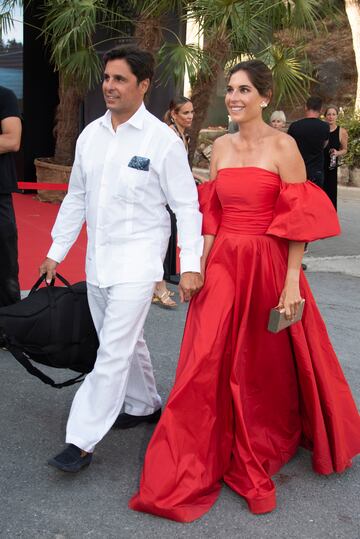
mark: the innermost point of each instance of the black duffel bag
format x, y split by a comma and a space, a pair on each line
51, 326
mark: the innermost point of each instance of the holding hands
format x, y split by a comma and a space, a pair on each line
190, 284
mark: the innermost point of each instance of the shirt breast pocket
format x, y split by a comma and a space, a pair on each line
132, 183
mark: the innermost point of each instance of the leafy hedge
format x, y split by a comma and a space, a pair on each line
351, 122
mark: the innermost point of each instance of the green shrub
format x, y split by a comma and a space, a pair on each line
351, 122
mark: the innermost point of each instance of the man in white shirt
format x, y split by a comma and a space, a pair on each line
128, 166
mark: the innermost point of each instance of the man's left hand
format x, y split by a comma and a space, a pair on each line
190, 284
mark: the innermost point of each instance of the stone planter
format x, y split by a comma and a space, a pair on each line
49, 172
209, 135
204, 145
343, 175
354, 176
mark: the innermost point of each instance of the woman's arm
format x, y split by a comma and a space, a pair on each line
291, 170
208, 243
343, 143
290, 297
209, 239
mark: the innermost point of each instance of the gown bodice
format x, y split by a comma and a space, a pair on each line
254, 201
248, 197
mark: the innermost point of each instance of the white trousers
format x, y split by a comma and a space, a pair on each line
122, 373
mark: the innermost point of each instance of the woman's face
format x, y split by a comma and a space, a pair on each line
277, 124
184, 116
331, 116
242, 99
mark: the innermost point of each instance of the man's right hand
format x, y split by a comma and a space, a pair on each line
48, 267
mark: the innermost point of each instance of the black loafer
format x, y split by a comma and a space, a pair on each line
127, 421
70, 459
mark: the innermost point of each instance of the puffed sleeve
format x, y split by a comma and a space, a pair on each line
303, 212
210, 207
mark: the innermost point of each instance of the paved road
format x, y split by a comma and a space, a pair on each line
37, 502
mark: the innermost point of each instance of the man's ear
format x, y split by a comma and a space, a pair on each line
144, 85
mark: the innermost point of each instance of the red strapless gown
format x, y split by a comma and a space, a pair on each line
244, 399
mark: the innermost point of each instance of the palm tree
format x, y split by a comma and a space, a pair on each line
234, 29
352, 8
69, 29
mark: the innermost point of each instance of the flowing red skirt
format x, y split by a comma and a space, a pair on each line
244, 399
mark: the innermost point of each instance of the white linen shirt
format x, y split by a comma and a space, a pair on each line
128, 226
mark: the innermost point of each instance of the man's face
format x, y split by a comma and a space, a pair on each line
122, 93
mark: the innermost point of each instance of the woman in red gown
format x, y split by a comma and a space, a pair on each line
244, 399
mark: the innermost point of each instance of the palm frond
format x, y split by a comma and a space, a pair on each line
7, 8
291, 75
157, 8
69, 29
176, 59
308, 14
84, 66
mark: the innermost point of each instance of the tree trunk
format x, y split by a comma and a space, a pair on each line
148, 33
66, 128
203, 88
352, 8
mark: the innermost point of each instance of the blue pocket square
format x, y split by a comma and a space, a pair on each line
140, 163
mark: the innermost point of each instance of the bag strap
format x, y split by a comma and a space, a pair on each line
24, 360
43, 278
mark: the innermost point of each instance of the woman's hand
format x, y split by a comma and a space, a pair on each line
290, 298
200, 179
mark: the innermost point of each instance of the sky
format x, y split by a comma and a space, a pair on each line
17, 31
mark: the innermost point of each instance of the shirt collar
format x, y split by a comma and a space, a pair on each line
136, 120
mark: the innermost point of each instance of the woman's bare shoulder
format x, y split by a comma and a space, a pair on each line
283, 142
223, 139
287, 156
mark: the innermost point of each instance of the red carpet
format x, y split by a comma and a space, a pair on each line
35, 220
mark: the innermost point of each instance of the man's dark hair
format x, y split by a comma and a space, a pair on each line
141, 63
314, 103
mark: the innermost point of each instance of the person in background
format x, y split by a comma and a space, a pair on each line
10, 139
312, 135
178, 117
336, 147
278, 120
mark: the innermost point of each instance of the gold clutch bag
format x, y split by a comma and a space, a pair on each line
277, 320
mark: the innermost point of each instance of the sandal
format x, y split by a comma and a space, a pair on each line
164, 300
